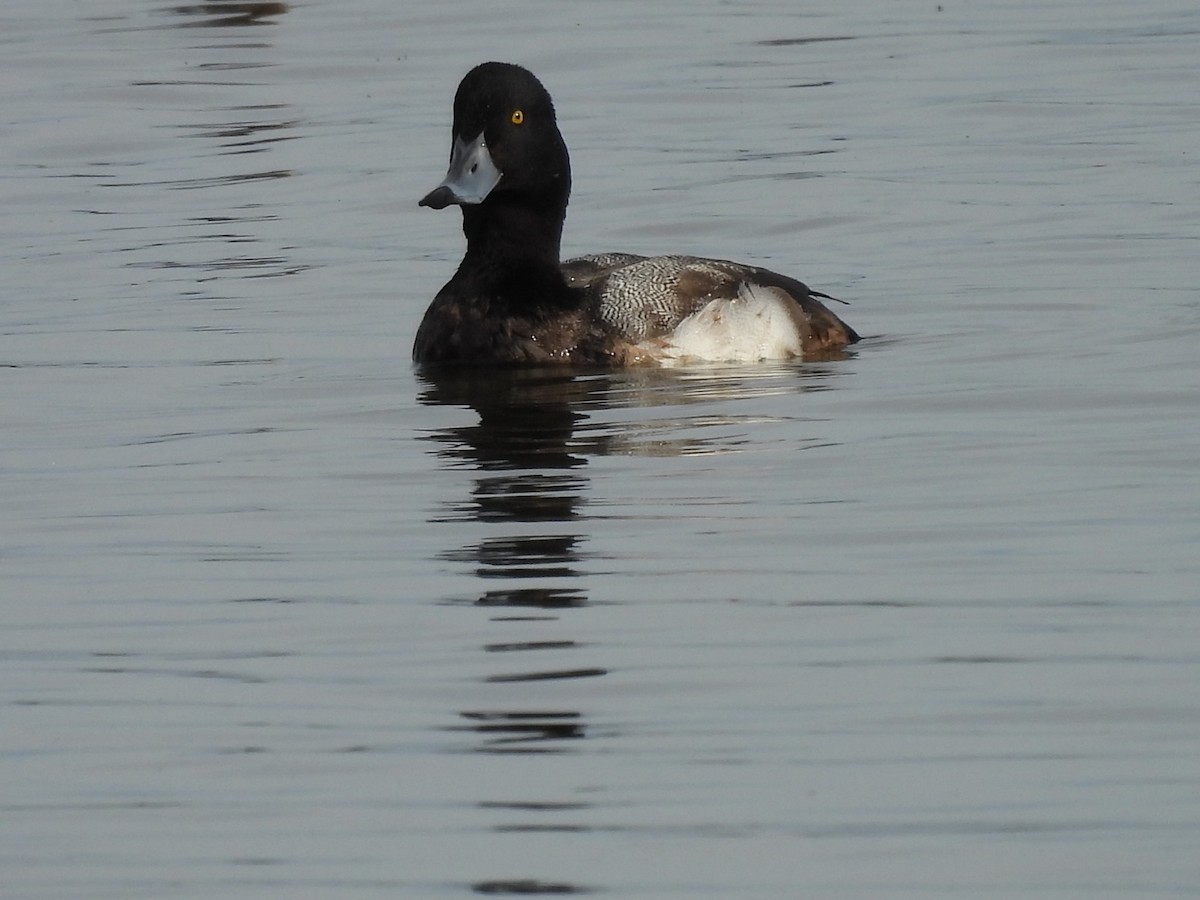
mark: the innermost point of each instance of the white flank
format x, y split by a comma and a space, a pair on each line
759, 323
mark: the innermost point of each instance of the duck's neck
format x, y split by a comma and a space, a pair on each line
512, 244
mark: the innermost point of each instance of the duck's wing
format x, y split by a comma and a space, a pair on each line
647, 298
642, 298
826, 330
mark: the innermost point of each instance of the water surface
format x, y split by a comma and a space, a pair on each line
285, 617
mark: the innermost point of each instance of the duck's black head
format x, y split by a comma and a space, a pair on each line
509, 167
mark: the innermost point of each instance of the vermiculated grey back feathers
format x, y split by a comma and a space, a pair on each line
645, 297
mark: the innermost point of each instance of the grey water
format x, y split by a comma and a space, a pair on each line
284, 618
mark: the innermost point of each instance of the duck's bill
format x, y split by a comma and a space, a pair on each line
471, 177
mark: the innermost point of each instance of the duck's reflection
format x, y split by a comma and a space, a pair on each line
529, 482
527, 419
528, 556
527, 471
527, 456
528, 886
527, 732
528, 453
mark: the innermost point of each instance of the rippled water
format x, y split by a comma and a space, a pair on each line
285, 618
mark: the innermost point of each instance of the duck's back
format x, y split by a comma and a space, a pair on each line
679, 308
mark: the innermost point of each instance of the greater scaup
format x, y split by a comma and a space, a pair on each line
513, 300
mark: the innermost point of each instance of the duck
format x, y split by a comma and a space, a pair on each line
513, 300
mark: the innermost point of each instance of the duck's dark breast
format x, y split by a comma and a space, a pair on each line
474, 331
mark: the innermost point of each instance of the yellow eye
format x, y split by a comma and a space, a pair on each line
518, 116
